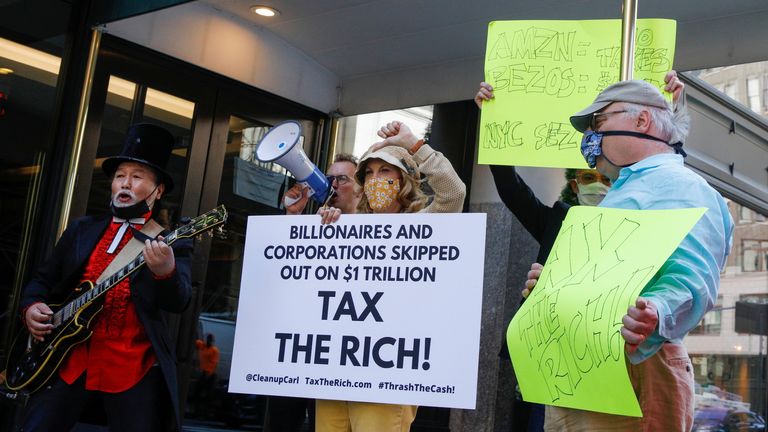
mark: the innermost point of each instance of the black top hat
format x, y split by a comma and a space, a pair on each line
147, 144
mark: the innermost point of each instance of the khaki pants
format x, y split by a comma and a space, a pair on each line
343, 416
664, 388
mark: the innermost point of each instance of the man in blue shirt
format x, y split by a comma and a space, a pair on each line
632, 136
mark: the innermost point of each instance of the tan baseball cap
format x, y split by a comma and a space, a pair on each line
632, 91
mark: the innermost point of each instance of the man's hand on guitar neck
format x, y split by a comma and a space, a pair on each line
37, 318
159, 258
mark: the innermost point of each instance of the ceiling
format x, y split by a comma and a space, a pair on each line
354, 38
383, 54
358, 56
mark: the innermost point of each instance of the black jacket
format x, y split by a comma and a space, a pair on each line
542, 221
61, 274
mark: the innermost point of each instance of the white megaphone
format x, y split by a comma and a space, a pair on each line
281, 145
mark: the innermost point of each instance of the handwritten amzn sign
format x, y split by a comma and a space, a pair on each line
565, 341
542, 72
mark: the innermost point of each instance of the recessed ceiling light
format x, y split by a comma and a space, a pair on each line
5, 71
265, 11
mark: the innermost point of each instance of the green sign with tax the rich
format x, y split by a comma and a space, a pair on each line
565, 340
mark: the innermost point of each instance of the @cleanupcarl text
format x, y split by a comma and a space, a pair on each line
343, 382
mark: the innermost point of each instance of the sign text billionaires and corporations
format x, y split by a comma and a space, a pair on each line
373, 303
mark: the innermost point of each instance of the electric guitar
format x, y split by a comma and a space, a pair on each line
31, 363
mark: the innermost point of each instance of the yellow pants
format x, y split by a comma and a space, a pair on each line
343, 416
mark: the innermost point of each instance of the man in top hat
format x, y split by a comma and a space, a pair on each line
633, 137
127, 363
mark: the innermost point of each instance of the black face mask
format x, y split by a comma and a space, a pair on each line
132, 211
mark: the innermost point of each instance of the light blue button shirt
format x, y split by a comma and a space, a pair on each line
686, 285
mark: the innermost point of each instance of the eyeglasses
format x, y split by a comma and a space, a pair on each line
593, 119
587, 177
341, 179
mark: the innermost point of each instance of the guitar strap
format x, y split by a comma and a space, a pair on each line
131, 250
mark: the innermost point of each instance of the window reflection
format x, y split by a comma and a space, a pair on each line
248, 187
711, 323
27, 101
729, 367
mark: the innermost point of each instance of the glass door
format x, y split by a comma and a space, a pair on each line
236, 179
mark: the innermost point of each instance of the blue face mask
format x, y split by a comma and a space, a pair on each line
592, 145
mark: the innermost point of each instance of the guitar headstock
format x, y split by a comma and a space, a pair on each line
204, 222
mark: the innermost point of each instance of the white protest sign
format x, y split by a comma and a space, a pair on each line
376, 308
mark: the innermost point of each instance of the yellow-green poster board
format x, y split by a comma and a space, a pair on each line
565, 341
542, 72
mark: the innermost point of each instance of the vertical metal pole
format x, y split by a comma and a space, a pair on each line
628, 23
82, 115
765, 376
30, 215
334, 140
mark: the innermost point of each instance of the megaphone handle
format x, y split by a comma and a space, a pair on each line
288, 201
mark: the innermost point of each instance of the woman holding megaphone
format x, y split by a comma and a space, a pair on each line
390, 177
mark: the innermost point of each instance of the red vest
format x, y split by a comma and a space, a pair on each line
119, 353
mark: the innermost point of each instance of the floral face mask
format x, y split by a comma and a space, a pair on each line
381, 192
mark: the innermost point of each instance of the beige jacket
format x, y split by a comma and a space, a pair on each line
449, 190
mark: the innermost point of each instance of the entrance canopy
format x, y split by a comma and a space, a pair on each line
357, 56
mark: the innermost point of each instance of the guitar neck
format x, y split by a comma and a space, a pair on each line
199, 224
69, 310
124, 272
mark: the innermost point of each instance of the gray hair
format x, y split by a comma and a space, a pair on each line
673, 126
